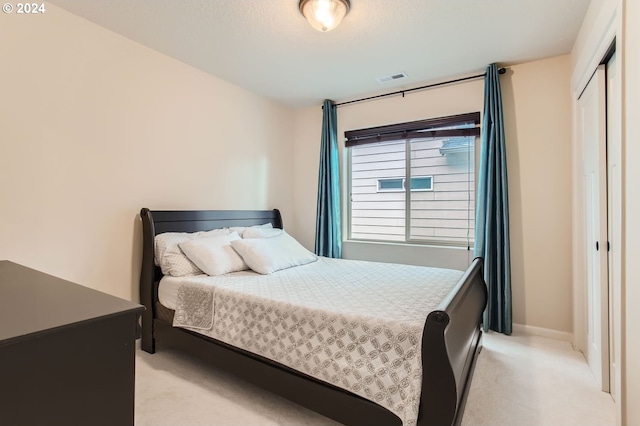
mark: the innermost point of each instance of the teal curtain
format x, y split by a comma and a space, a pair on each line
492, 210
328, 227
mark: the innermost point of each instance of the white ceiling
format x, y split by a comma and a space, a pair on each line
267, 47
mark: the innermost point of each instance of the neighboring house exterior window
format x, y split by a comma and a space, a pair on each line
406, 187
420, 183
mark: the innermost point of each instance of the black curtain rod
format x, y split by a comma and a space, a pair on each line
500, 71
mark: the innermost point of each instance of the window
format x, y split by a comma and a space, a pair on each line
393, 184
414, 182
422, 183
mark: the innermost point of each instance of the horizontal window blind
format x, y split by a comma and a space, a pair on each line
431, 128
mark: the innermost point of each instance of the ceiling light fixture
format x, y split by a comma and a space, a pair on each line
324, 15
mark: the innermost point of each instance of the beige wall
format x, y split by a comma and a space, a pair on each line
94, 126
307, 127
537, 107
85, 106
537, 114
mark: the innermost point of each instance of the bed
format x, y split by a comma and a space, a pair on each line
450, 338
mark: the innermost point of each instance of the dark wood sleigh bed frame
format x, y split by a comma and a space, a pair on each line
451, 340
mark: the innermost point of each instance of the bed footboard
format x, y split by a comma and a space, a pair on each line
450, 343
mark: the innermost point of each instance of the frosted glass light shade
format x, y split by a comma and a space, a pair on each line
324, 15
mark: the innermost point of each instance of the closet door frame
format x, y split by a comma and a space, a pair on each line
605, 32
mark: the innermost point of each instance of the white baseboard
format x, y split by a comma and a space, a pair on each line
543, 332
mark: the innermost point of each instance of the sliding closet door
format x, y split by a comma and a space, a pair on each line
614, 215
592, 131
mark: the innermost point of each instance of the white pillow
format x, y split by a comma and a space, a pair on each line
241, 229
267, 255
261, 232
171, 259
214, 256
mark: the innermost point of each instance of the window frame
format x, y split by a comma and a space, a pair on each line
378, 134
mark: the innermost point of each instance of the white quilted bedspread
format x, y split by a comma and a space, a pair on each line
357, 325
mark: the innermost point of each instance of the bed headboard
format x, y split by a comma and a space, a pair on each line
156, 222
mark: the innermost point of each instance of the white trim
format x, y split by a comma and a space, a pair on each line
531, 330
592, 45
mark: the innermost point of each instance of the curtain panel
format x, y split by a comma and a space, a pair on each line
328, 224
492, 212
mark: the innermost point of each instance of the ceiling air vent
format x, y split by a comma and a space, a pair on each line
393, 77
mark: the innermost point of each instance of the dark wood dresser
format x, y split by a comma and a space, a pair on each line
67, 352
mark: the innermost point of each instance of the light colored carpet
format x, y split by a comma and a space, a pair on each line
527, 380
519, 380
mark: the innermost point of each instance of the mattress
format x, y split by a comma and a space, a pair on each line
357, 325
169, 286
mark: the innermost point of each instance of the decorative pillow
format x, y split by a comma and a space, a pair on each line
171, 259
214, 256
267, 255
261, 232
241, 229
211, 234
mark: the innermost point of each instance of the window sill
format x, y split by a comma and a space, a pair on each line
451, 257
408, 244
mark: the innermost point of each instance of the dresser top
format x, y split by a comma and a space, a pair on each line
34, 302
